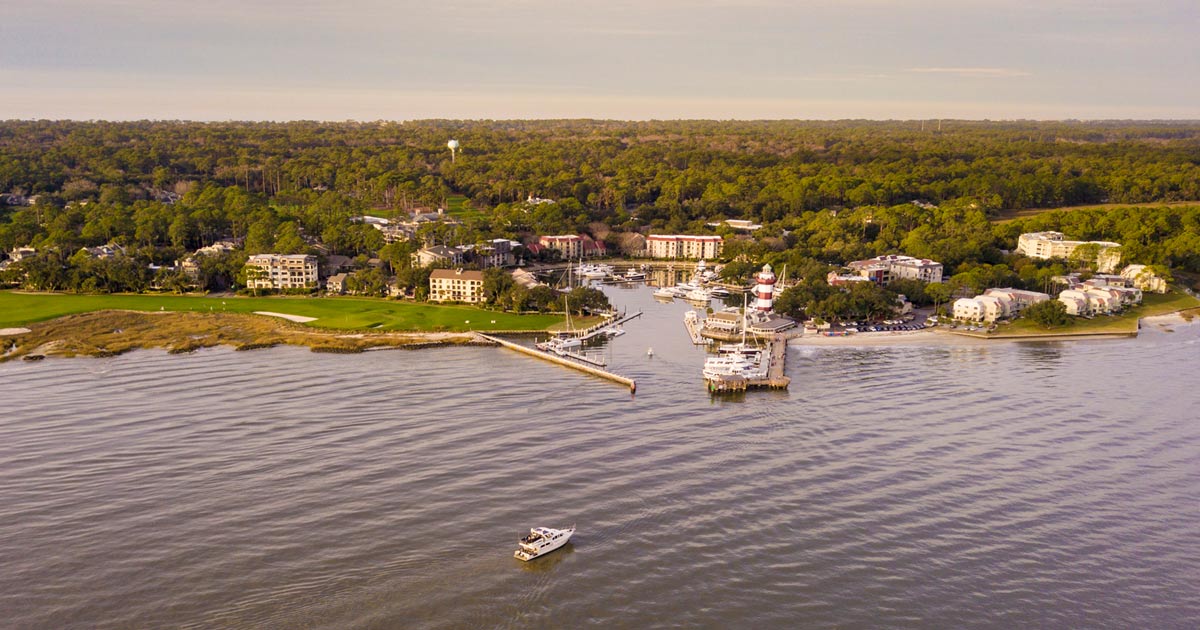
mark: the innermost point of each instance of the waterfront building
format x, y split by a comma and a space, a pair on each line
1017, 299
882, 270
1076, 302
281, 271
685, 246
1143, 278
526, 279
456, 285
1046, 245
570, 245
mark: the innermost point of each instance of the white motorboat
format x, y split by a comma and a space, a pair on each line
719, 292
666, 293
753, 353
593, 272
634, 276
541, 541
737, 363
698, 295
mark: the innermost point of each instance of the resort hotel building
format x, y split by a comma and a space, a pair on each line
456, 285
281, 271
882, 270
1046, 245
683, 246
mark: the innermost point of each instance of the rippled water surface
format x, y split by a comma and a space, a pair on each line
1017, 485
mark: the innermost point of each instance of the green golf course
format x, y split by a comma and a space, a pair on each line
344, 313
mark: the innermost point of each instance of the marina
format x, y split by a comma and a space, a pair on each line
295, 497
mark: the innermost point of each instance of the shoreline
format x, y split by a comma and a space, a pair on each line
110, 333
940, 337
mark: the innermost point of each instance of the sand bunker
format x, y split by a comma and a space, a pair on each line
300, 319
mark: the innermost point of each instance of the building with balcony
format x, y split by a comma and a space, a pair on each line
686, 246
281, 271
456, 285
1047, 245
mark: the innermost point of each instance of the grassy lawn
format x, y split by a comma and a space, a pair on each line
1153, 304
19, 309
456, 207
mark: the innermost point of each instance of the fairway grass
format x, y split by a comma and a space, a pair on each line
342, 313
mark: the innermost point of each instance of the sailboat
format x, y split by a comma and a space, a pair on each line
562, 344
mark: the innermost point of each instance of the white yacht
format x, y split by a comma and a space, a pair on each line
634, 276
736, 363
593, 272
698, 295
541, 541
666, 293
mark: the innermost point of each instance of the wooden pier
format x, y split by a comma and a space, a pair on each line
774, 379
533, 352
603, 327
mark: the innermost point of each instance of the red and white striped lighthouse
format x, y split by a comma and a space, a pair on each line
764, 291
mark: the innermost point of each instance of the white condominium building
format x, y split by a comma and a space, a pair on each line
281, 271
456, 285
1046, 245
884, 269
683, 246
996, 304
570, 245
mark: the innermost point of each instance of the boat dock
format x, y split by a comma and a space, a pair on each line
775, 378
603, 327
594, 371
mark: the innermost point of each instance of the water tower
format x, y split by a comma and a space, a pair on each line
453, 146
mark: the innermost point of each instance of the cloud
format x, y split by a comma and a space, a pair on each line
974, 72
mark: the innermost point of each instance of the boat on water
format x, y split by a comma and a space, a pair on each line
593, 272
561, 346
719, 292
754, 353
735, 363
665, 293
541, 541
634, 276
737, 360
698, 295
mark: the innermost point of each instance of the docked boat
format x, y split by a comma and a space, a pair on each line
541, 541
736, 363
561, 346
698, 295
666, 293
754, 353
719, 292
593, 272
634, 276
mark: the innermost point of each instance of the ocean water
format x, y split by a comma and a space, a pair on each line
997, 486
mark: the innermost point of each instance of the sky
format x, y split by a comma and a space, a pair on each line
615, 59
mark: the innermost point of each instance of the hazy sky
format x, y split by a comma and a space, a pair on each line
628, 59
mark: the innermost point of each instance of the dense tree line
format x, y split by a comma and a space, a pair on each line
827, 192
